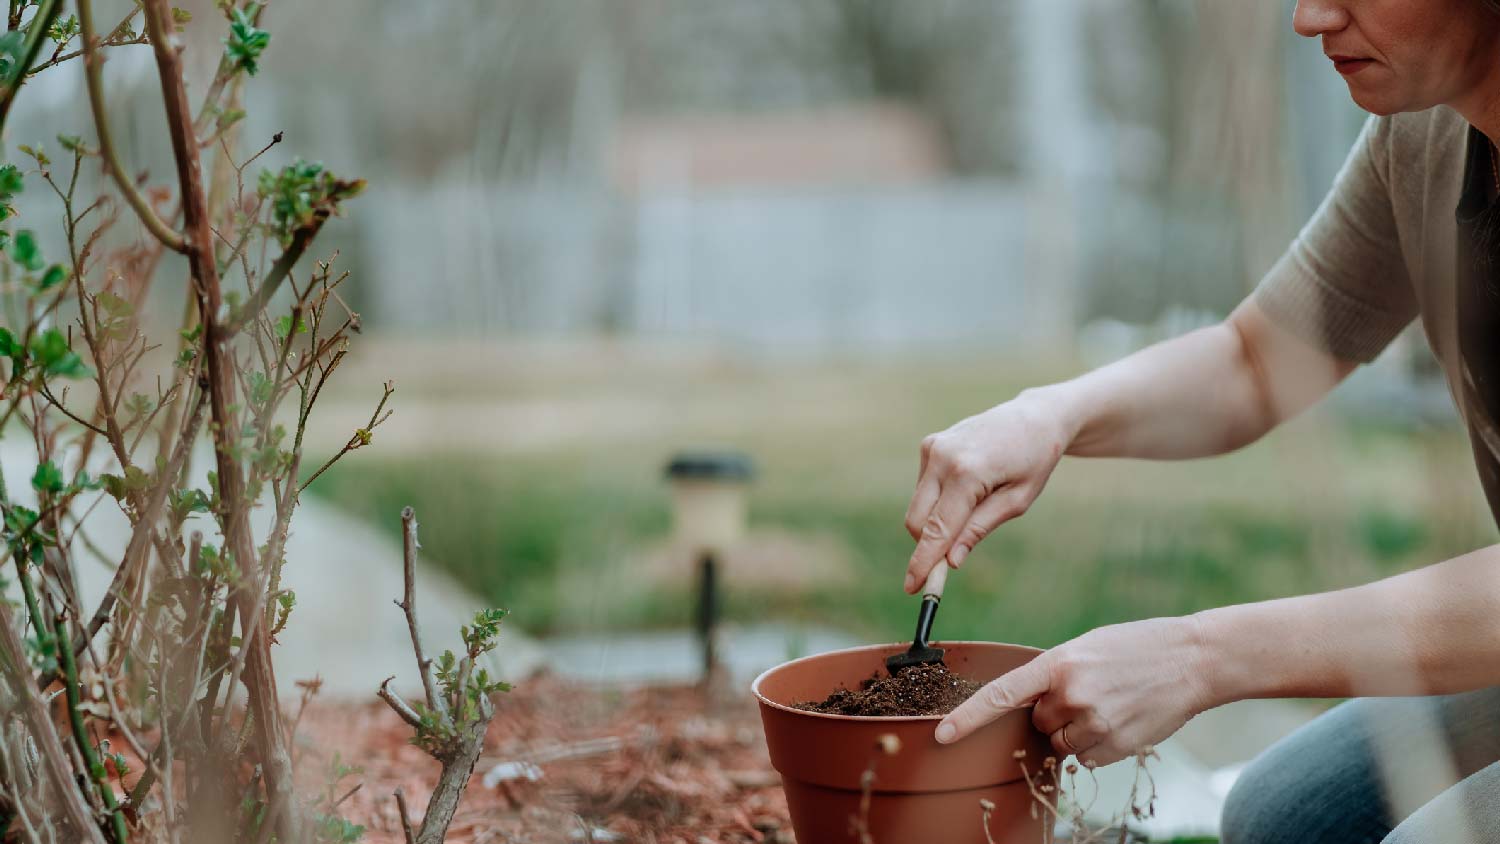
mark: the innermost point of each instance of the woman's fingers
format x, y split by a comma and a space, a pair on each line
1021, 687
922, 500
955, 504
1000, 507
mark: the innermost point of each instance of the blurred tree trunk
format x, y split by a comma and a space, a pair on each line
1232, 129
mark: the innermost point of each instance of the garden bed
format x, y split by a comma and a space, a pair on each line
665, 764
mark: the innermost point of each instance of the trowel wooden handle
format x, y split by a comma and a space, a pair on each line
936, 580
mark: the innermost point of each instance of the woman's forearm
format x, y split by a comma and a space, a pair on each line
1207, 392
1435, 630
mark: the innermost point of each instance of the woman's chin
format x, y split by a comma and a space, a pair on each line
1372, 101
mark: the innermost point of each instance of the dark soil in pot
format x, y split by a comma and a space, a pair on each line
918, 690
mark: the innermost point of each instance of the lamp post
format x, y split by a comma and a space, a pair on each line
709, 515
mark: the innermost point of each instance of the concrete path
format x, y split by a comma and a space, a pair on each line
674, 656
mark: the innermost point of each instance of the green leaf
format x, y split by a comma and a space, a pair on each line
47, 478
114, 485
62, 31
51, 351
55, 275
284, 327
71, 143
25, 251
245, 42
11, 180
37, 153
9, 346
12, 44
136, 478
114, 305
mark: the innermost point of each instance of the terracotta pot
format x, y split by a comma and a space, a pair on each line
923, 793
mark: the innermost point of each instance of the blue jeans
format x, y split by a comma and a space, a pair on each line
1377, 771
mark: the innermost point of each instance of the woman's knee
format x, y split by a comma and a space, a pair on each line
1318, 784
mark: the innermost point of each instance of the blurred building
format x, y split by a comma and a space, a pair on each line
807, 176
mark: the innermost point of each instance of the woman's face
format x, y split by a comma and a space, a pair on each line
1406, 55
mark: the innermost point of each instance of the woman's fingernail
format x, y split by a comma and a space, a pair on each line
945, 732
956, 556
911, 582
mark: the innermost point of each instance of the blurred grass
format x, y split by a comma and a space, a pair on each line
550, 533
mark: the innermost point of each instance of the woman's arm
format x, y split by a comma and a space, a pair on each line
1207, 392
1435, 630
1113, 691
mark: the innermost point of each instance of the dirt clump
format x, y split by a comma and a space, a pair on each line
919, 690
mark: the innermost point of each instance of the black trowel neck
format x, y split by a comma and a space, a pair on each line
924, 619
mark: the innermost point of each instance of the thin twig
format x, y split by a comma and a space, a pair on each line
360, 439
411, 837
398, 704
408, 605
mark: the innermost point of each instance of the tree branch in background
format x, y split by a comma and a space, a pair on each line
93, 61
259, 678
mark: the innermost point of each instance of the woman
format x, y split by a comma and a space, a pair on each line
1411, 229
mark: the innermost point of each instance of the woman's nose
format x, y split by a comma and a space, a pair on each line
1319, 17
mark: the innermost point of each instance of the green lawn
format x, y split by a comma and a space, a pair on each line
551, 532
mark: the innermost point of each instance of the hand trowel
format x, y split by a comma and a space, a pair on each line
920, 652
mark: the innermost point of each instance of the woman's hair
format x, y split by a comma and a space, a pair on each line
1492, 5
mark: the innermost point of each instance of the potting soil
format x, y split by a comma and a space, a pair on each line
918, 690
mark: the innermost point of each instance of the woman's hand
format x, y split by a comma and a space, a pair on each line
1105, 695
980, 474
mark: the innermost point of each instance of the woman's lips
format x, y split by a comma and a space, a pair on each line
1349, 65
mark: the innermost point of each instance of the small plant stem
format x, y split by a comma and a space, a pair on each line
93, 60
32, 608
46, 12
81, 735
411, 837
408, 605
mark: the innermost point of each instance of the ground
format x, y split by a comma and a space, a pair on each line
662, 765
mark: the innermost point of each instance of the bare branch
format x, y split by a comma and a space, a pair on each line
398, 704
408, 605
93, 60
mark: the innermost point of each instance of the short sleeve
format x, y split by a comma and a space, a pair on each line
1343, 285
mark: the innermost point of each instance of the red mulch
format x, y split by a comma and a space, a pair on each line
665, 765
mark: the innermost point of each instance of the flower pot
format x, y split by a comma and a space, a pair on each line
923, 792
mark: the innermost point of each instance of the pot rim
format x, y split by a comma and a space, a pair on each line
765, 701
